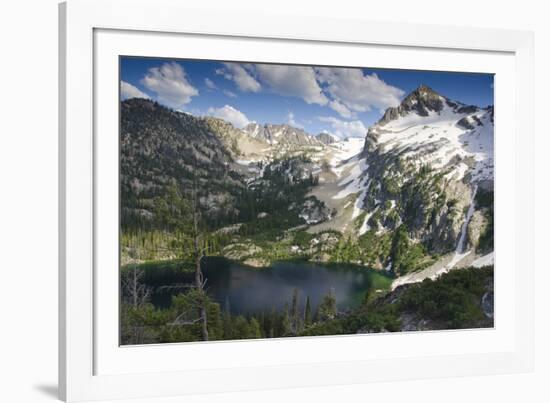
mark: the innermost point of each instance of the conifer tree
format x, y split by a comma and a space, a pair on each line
254, 329
295, 317
307, 313
327, 308
285, 322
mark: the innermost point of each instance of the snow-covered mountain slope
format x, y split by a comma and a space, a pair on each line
426, 159
419, 169
341, 183
431, 129
343, 151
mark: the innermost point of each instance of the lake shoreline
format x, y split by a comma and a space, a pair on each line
249, 289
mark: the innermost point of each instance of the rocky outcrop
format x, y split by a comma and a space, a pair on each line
256, 262
241, 251
476, 227
421, 101
448, 219
321, 246
401, 192
466, 123
314, 211
326, 138
488, 304
424, 101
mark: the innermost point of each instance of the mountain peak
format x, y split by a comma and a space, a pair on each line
426, 96
421, 101
423, 89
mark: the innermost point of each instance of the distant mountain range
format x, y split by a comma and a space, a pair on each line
281, 134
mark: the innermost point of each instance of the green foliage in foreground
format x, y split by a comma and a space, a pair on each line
146, 324
143, 323
453, 301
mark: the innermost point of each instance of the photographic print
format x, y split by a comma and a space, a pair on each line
266, 200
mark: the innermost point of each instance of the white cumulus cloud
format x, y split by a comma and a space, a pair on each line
291, 120
357, 91
241, 76
341, 109
128, 90
296, 81
343, 128
347, 91
210, 84
230, 114
170, 83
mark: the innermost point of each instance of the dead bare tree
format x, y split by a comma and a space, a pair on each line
199, 253
187, 218
184, 319
135, 292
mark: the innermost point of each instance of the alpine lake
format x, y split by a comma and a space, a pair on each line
247, 290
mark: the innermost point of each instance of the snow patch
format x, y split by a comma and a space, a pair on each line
485, 260
355, 181
365, 226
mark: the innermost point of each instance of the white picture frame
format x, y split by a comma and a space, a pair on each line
92, 366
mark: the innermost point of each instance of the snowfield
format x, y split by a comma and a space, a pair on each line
439, 140
343, 150
351, 173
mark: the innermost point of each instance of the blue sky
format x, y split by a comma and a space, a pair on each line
342, 101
